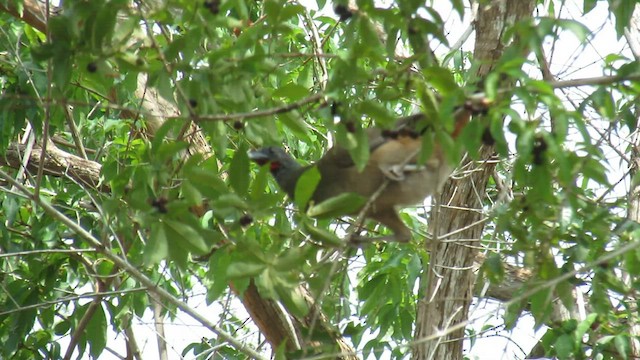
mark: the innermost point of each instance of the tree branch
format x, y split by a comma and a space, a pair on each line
262, 113
57, 163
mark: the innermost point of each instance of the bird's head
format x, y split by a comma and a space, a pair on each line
283, 166
276, 157
269, 155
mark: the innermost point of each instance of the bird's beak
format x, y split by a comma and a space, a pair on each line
259, 156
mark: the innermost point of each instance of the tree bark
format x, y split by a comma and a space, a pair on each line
448, 283
633, 212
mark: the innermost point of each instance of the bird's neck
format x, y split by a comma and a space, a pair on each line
462, 117
287, 175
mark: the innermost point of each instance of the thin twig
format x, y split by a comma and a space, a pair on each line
45, 251
71, 298
260, 113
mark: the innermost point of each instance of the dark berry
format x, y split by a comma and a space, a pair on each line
350, 126
238, 125
245, 220
92, 67
343, 12
160, 204
213, 6
539, 148
335, 107
193, 103
524, 203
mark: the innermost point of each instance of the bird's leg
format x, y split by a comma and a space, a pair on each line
397, 172
393, 172
389, 218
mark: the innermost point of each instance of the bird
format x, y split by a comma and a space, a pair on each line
392, 167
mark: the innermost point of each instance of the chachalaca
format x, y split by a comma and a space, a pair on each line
392, 159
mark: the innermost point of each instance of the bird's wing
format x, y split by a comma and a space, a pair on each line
339, 157
391, 145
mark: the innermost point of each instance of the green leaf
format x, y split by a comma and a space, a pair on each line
102, 26
564, 346
229, 201
62, 67
578, 29
290, 10
191, 193
239, 171
441, 79
458, 5
623, 346
157, 246
594, 170
217, 275
588, 5
169, 150
96, 332
323, 236
360, 153
272, 9
343, 204
376, 111
494, 268
623, 10
242, 269
266, 286
540, 308
291, 91
306, 186
206, 179
294, 122
292, 259
583, 327
564, 290
187, 235
10, 207
260, 183
293, 301
632, 261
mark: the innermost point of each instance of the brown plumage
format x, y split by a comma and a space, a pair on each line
393, 160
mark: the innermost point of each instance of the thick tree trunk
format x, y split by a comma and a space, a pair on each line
448, 283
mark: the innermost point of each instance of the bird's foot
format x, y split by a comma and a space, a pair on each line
393, 172
410, 168
397, 172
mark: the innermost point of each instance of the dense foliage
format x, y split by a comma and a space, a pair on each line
187, 215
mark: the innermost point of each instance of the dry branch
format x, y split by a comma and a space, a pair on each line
57, 163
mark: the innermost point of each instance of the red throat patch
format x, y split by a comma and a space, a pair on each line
274, 165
